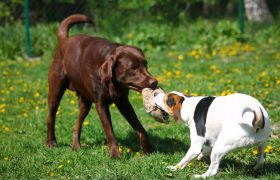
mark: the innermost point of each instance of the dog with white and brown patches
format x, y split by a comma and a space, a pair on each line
218, 125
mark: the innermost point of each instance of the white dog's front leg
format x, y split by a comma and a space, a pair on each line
192, 153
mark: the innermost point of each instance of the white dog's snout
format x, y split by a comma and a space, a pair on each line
158, 98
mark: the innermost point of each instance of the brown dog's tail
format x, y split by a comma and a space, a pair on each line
66, 24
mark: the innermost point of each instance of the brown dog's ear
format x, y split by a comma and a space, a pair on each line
106, 69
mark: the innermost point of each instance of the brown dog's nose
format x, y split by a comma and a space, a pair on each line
153, 83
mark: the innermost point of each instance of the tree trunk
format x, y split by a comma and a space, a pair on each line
257, 10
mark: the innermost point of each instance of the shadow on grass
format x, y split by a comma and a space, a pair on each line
161, 145
234, 166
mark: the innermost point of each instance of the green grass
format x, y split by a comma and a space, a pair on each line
218, 68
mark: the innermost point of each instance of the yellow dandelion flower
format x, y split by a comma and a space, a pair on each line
177, 167
5, 73
72, 102
213, 67
120, 148
268, 149
178, 73
6, 158
85, 123
255, 152
37, 108
6, 129
52, 174
130, 36
138, 154
2, 110
189, 164
113, 105
186, 91
2, 106
36, 95
25, 115
168, 73
180, 57
278, 81
60, 166
128, 150
189, 75
194, 94
170, 54
21, 100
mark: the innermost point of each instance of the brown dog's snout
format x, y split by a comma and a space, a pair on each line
153, 83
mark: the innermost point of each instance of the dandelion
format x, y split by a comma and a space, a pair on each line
6, 158
189, 75
180, 57
52, 174
36, 95
128, 150
138, 154
6, 129
5, 73
177, 167
178, 73
113, 105
255, 152
189, 164
72, 102
268, 149
168, 73
170, 54
120, 149
21, 100
60, 166
25, 115
130, 36
85, 123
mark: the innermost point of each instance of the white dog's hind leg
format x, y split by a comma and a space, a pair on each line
206, 150
219, 150
260, 161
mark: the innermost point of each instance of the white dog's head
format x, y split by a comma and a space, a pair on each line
171, 103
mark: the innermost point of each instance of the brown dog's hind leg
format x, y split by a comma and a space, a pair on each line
105, 117
128, 112
85, 106
57, 86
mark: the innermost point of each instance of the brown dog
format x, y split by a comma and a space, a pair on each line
100, 72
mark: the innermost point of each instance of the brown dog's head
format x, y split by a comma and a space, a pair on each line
171, 103
128, 66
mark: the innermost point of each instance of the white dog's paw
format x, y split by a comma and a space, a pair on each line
173, 168
202, 176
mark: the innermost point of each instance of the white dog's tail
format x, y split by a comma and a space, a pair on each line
253, 117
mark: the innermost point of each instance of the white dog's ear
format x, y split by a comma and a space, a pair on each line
174, 102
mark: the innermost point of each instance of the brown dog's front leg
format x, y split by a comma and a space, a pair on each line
128, 112
105, 117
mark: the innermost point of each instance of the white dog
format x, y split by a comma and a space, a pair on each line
223, 123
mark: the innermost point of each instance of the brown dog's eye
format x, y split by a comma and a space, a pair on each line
170, 102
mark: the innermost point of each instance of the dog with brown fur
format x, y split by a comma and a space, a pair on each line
100, 72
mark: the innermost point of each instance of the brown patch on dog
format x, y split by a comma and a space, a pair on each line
258, 122
173, 104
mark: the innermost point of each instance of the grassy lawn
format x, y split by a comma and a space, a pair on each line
251, 67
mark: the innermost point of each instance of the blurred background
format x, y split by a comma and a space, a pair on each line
115, 17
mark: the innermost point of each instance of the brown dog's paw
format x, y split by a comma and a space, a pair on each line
147, 149
115, 153
76, 146
51, 143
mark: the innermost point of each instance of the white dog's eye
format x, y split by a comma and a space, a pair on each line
155, 94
